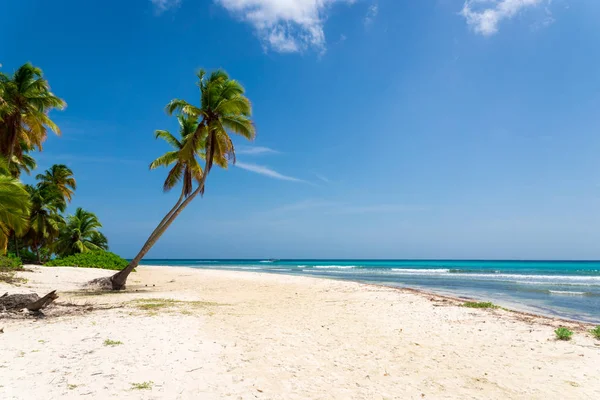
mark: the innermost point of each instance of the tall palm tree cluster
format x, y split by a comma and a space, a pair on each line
32, 224
31, 216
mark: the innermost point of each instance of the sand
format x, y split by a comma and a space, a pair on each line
236, 335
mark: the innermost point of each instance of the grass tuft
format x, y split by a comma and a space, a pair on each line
153, 305
474, 304
71, 386
596, 332
112, 343
563, 333
142, 386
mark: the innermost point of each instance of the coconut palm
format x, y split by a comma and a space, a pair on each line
61, 178
223, 108
45, 219
26, 102
80, 234
185, 165
14, 206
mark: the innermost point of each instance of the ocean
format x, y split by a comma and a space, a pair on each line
567, 289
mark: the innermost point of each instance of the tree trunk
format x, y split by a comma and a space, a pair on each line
119, 279
32, 302
17, 246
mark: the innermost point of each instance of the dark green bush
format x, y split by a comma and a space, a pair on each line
92, 259
563, 333
10, 263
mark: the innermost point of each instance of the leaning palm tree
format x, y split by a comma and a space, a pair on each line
223, 108
80, 234
61, 178
45, 220
26, 102
14, 206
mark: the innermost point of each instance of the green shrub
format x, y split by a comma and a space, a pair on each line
473, 304
596, 332
10, 263
92, 259
563, 333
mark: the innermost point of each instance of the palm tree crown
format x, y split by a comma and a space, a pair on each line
223, 107
186, 166
25, 102
80, 234
61, 178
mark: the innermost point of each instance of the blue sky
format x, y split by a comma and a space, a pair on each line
385, 129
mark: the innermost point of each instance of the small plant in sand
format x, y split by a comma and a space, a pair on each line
142, 386
112, 343
563, 333
71, 386
474, 304
596, 332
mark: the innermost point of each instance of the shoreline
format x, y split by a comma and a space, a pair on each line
512, 307
193, 333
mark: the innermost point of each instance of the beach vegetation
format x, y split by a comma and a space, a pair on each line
596, 332
204, 131
80, 234
26, 100
92, 259
563, 333
142, 385
14, 206
109, 342
474, 304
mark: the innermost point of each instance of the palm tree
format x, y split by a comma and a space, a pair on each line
61, 178
80, 234
26, 100
223, 108
45, 220
14, 206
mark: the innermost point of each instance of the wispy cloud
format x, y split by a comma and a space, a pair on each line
255, 150
484, 16
372, 13
322, 178
266, 171
285, 26
161, 6
376, 208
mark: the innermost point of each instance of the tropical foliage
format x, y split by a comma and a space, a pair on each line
92, 259
32, 221
14, 206
26, 100
80, 234
204, 133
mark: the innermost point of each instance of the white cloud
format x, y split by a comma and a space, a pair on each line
266, 171
323, 178
255, 150
285, 26
161, 6
372, 13
484, 16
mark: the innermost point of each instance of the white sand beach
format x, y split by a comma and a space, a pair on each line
180, 333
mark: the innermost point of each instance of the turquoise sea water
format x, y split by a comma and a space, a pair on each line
568, 289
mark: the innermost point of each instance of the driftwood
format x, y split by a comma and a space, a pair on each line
32, 301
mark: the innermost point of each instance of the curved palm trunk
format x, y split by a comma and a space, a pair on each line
118, 280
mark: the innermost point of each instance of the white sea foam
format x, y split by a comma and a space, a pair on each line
410, 271
334, 266
567, 293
